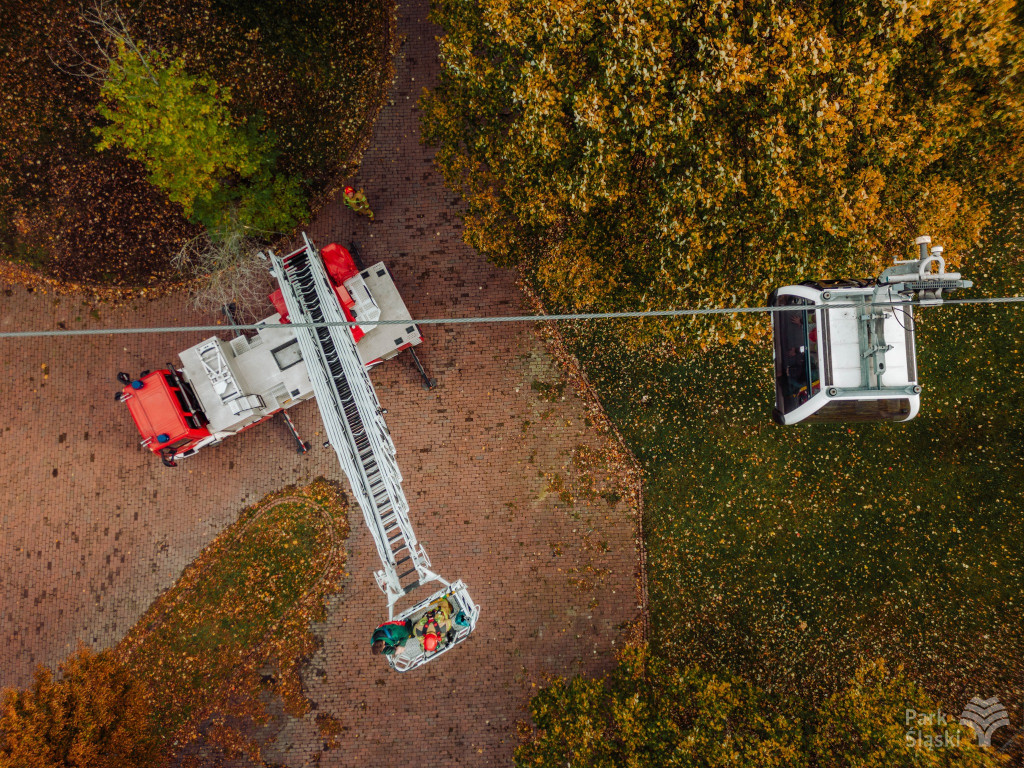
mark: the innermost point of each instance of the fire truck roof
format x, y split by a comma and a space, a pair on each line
384, 341
155, 409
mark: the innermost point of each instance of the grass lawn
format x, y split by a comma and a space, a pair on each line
246, 601
787, 554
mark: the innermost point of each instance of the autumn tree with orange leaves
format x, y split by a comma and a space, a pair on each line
652, 154
93, 715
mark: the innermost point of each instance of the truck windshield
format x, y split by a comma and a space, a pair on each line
797, 376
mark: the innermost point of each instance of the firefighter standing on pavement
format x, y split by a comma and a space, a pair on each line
357, 202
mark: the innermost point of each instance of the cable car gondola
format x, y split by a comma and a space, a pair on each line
844, 349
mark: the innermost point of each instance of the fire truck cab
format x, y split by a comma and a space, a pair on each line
165, 414
223, 387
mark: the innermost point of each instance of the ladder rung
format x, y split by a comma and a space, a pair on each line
402, 576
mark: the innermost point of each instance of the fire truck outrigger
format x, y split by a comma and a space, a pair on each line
307, 349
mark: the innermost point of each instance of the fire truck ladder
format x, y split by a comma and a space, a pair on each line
354, 422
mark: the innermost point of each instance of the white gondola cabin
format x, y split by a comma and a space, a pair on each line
845, 349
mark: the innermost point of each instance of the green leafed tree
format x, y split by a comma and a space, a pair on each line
649, 154
180, 127
267, 201
94, 715
647, 713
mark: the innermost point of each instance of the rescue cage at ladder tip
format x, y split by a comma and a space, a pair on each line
850, 355
223, 388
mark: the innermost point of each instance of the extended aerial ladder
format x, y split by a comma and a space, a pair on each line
355, 426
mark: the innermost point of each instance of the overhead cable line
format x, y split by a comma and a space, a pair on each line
508, 318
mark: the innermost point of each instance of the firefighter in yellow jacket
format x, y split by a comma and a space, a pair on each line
357, 202
434, 627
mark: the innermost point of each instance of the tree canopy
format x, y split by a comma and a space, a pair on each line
179, 126
94, 716
176, 124
85, 215
649, 154
648, 713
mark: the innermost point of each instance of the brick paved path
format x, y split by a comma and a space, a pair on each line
92, 528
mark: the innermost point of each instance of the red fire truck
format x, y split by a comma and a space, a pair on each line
224, 387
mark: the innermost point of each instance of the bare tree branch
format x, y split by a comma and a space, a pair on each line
227, 269
107, 29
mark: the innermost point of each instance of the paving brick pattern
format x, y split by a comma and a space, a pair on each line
501, 488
